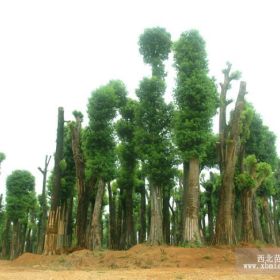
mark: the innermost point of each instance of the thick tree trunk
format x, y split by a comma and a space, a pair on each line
258, 234
229, 142
50, 245
247, 221
5, 239
142, 232
112, 220
129, 232
276, 221
83, 194
191, 230
270, 235
96, 228
156, 232
238, 219
166, 215
15, 242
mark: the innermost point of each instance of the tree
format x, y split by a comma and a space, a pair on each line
20, 200
197, 101
100, 150
153, 122
83, 188
126, 180
43, 204
51, 237
229, 144
248, 182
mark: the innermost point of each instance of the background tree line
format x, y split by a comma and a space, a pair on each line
134, 173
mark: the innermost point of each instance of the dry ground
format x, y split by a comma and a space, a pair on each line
140, 262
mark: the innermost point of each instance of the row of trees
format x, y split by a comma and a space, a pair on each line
134, 173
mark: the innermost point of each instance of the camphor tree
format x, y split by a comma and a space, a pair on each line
126, 180
100, 147
2, 158
20, 201
153, 121
197, 101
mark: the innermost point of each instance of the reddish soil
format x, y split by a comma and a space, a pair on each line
140, 262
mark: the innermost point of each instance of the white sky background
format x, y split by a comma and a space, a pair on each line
55, 53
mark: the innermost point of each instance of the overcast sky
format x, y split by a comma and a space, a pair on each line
54, 53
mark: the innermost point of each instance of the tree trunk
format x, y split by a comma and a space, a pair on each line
276, 221
229, 142
95, 235
112, 221
156, 232
129, 233
43, 215
15, 243
270, 235
142, 232
191, 230
258, 234
166, 215
5, 239
83, 194
54, 214
247, 221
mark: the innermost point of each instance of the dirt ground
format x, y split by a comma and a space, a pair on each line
140, 262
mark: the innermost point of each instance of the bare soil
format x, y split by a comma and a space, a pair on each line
140, 262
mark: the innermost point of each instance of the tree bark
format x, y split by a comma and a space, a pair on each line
247, 221
83, 193
95, 235
166, 215
112, 220
143, 227
191, 230
156, 232
258, 234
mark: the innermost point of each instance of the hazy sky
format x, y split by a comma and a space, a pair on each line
54, 53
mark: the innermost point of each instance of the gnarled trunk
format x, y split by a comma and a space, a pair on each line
95, 237
191, 225
229, 148
247, 221
156, 232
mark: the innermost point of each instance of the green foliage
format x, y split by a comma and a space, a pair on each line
246, 120
244, 181
196, 96
261, 142
153, 133
99, 137
155, 45
20, 196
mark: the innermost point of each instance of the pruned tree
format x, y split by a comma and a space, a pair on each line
154, 121
229, 143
